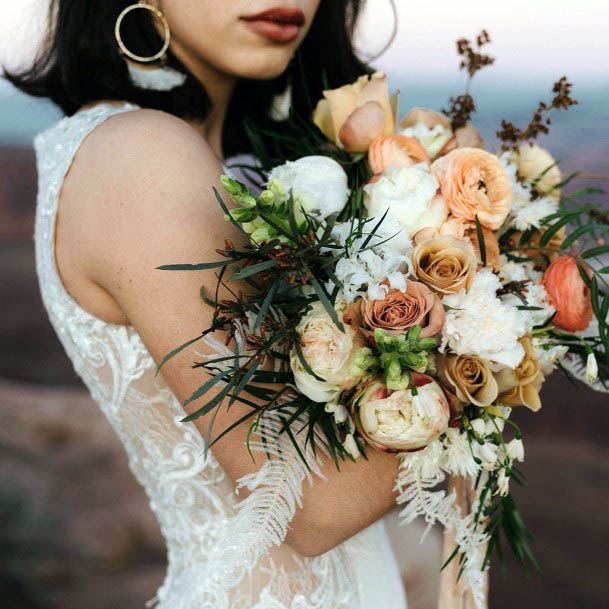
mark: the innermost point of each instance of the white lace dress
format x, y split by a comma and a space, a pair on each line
222, 553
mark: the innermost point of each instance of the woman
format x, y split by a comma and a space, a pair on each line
156, 97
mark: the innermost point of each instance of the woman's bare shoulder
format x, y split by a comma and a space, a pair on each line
140, 187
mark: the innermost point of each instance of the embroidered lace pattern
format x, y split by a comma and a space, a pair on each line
222, 553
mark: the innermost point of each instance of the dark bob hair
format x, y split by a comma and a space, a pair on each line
80, 64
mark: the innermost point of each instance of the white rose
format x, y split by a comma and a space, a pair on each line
318, 184
401, 420
411, 196
433, 139
330, 353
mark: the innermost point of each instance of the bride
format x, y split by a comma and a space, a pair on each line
156, 96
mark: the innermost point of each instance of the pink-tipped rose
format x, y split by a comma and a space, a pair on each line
568, 294
352, 116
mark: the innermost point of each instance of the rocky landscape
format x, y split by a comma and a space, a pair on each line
76, 531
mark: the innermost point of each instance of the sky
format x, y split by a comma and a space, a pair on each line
531, 38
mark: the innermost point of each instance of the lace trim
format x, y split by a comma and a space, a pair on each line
418, 476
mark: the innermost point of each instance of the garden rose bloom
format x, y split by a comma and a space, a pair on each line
398, 311
395, 151
329, 352
353, 115
474, 183
445, 264
469, 377
568, 294
536, 166
521, 387
401, 421
409, 196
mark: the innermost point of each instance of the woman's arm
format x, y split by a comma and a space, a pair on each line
143, 181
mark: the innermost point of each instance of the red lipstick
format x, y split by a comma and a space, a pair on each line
279, 24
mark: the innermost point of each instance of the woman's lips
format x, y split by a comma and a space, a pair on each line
277, 24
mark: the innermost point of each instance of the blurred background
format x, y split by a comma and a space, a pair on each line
75, 529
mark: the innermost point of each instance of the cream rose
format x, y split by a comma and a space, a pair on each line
536, 166
470, 377
353, 115
445, 264
330, 353
409, 196
475, 184
401, 421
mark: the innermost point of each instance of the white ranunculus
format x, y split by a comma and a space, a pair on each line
479, 323
330, 353
433, 139
318, 184
410, 194
401, 421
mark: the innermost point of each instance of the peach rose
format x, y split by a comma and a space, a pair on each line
353, 115
568, 294
445, 264
470, 377
395, 151
475, 184
521, 387
399, 311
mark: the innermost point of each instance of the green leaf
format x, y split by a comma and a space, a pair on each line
195, 267
205, 387
292, 220
176, 351
266, 304
580, 232
596, 251
325, 301
253, 269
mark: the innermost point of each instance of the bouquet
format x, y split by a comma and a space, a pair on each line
405, 289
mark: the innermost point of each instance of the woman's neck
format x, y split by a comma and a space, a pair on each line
220, 88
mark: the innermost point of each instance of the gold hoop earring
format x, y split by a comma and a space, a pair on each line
142, 4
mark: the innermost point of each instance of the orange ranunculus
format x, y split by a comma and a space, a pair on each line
397, 151
399, 311
475, 184
353, 115
568, 294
